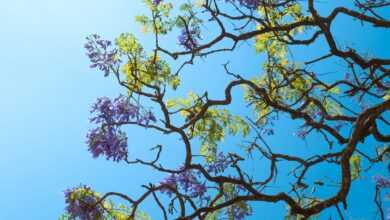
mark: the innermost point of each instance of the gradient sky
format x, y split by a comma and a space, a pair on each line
46, 91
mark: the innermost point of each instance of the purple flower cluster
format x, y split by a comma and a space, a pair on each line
187, 180
99, 53
108, 139
156, 2
188, 38
118, 111
219, 165
168, 184
252, 4
381, 182
238, 210
81, 203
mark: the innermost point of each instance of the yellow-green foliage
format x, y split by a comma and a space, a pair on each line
162, 22
387, 96
355, 166
211, 128
286, 86
83, 192
128, 44
214, 215
122, 212
282, 80
141, 70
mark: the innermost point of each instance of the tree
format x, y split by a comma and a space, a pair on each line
337, 114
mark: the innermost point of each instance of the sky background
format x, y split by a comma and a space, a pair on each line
46, 91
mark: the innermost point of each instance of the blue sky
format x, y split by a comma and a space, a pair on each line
46, 92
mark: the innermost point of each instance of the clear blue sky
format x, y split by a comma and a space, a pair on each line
46, 91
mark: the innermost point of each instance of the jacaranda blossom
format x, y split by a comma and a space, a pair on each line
81, 203
108, 139
188, 38
252, 4
156, 2
187, 180
219, 165
381, 182
100, 54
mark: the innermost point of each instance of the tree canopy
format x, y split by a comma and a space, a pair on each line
342, 119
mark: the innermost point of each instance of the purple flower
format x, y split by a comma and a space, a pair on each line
124, 110
167, 184
81, 203
381, 181
99, 54
119, 111
156, 2
146, 118
198, 190
186, 180
252, 4
107, 139
219, 165
188, 38
347, 76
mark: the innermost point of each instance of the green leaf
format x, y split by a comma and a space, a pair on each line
387, 96
355, 161
175, 82
209, 151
